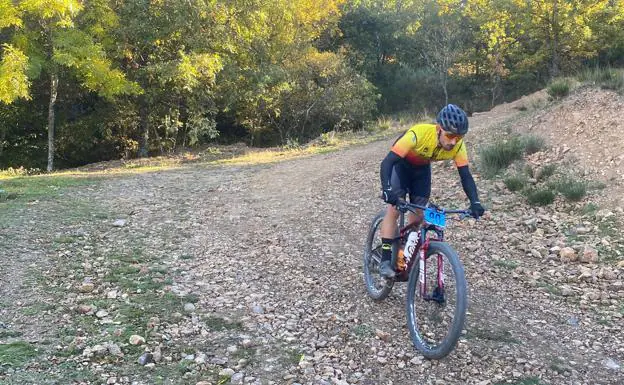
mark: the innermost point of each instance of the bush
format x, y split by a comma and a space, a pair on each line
541, 197
546, 171
515, 183
532, 144
616, 83
559, 88
573, 190
608, 78
500, 155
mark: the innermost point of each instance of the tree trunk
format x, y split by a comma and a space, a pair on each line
144, 144
2, 136
554, 63
53, 93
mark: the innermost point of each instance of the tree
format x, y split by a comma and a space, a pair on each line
443, 38
173, 49
558, 32
49, 35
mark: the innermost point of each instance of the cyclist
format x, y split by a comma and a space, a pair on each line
407, 169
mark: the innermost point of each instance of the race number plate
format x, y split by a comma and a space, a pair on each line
435, 217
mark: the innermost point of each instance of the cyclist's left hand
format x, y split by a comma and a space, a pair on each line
476, 209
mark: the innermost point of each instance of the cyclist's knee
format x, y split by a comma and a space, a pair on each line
392, 212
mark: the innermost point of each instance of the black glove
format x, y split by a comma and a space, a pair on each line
390, 196
476, 209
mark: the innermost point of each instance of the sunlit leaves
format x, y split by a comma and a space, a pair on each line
9, 14
60, 11
13, 81
75, 49
195, 68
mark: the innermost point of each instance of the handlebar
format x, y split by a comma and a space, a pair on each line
404, 206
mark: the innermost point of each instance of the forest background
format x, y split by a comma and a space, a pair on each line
86, 81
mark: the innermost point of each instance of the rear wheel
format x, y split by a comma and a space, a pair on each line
377, 286
436, 320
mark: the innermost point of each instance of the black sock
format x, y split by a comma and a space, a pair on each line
386, 249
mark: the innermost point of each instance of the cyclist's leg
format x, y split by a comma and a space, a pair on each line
389, 223
399, 180
419, 189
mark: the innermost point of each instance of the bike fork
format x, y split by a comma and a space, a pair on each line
422, 279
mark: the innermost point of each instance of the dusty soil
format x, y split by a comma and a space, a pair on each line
252, 274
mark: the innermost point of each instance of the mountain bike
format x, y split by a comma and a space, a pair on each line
436, 295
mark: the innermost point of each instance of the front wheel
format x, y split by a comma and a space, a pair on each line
435, 317
377, 286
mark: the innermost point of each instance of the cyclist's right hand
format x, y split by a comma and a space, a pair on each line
390, 196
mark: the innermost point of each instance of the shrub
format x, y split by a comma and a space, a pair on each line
515, 183
589, 208
532, 144
616, 83
608, 78
573, 190
546, 171
541, 197
500, 155
559, 88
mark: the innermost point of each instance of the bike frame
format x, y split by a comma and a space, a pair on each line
423, 244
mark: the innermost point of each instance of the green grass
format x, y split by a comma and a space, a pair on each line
571, 189
589, 209
515, 183
16, 353
219, 323
532, 143
29, 188
10, 333
293, 356
608, 226
500, 155
549, 288
506, 264
559, 88
524, 381
65, 239
546, 172
540, 197
608, 78
363, 331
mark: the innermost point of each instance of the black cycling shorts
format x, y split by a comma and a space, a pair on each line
415, 180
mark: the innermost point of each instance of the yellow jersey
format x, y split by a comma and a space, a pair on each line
419, 146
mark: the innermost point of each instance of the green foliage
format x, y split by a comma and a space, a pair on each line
9, 14
540, 197
498, 156
532, 143
546, 171
27, 188
559, 88
571, 188
16, 353
608, 78
13, 80
589, 209
515, 183
144, 77
506, 264
75, 49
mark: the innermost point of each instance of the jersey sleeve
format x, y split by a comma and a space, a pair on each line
405, 143
461, 157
